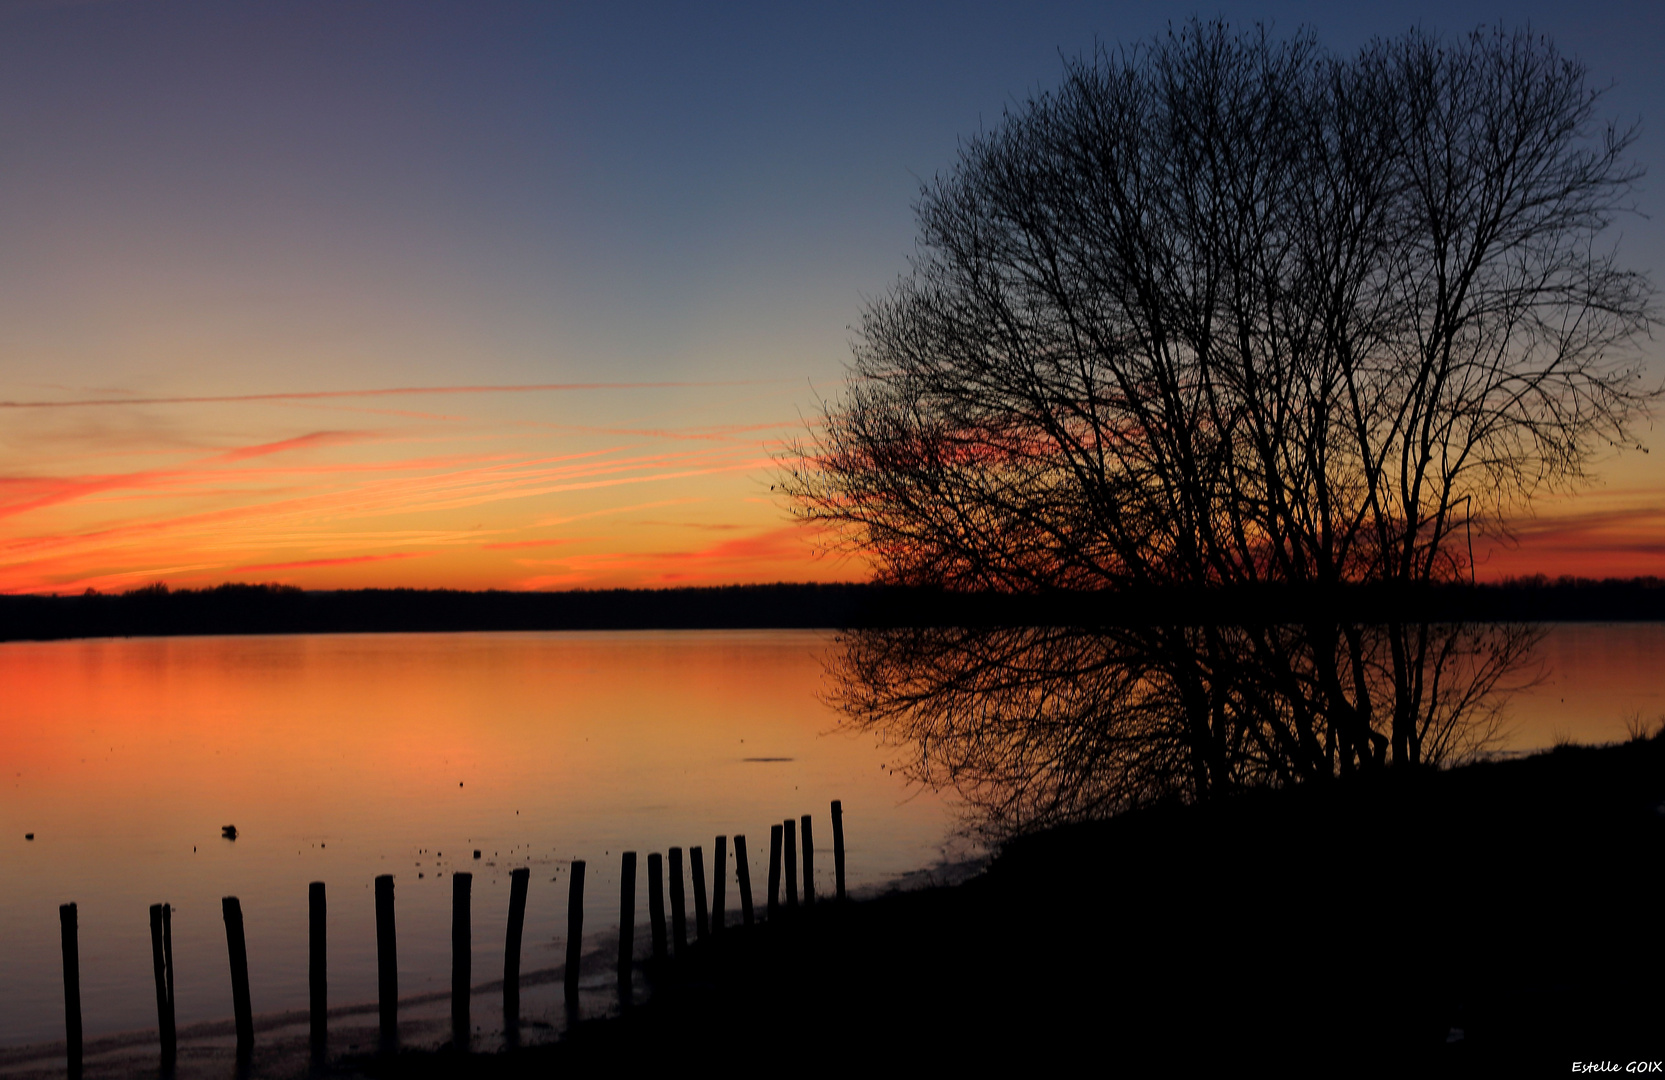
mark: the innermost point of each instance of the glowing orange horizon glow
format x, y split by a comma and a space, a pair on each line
625, 485
512, 495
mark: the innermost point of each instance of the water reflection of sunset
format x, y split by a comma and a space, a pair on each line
341, 757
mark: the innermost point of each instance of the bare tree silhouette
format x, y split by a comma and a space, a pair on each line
1223, 310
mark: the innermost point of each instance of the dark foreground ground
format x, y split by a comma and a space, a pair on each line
1502, 919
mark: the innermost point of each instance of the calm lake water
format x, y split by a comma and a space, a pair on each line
340, 757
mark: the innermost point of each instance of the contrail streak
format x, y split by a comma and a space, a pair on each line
387, 392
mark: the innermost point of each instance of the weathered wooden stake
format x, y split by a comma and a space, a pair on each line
627, 923
317, 971
809, 861
165, 1030
790, 828
656, 904
702, 917
519, 880
719, 883
743, 874
679, 904
237, 946
69, 931
838, 846
462, 956
167, 952
774, 871
575, 929
387, 964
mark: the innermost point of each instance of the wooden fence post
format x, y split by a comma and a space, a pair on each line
774, 871
838, 846
627, 923
237, 947
719, 883
519, 879
575, 929
679, 905
387, 964
656, 904
809, 861
317, 972
70, 935
702, 917
160, 960
462, 956
790, 828
743, 874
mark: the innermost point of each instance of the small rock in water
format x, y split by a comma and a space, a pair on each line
228, 831
28, 836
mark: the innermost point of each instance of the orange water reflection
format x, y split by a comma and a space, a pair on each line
342, 757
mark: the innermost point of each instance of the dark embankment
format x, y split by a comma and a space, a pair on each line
1355, 930
277, 609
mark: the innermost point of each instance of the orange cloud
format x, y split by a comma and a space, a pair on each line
529, 544
305, 563
342, 507
300, 442
1607, 541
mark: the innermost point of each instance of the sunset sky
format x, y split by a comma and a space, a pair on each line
525, 295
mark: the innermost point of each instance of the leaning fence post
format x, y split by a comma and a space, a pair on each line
165, 1030
318, 981
462, 955
387, 964
719, 883
679, 905
838, 846
519, 879
702, 917
790, 829
575, 929
809, 861
627, 923
743, 875
167, 958
238, 949
69, 931
774, 871
656, 904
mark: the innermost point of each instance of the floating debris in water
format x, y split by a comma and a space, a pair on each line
28, 836
228, 831
476, 853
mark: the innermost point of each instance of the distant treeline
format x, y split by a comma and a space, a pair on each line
282, 609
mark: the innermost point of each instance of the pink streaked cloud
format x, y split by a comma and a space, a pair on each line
1623, 538
419, 500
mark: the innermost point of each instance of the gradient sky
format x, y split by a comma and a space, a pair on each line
525, 295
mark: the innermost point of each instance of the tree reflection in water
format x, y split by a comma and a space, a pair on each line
1035, 726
